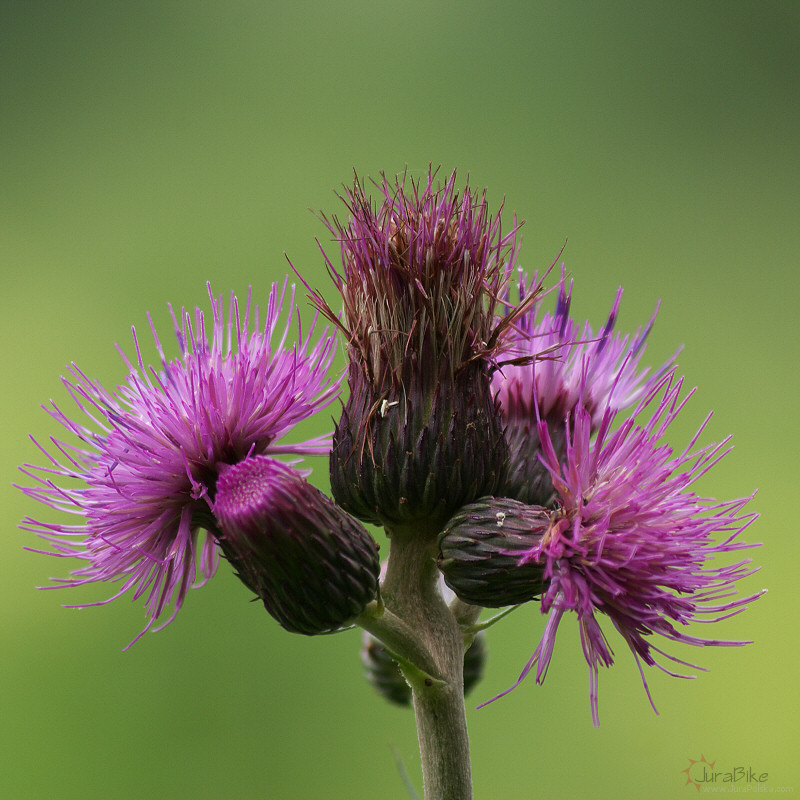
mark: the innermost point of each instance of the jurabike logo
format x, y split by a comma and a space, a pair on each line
702, 773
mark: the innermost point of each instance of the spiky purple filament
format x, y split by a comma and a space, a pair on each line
565, 364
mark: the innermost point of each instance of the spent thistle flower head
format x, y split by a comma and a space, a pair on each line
422, 279
144, 474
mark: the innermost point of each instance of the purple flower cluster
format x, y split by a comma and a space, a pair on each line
566, 364
524, 452
554, 366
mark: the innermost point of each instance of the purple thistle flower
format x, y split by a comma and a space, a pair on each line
423, 278
154, 448
631, 539
566, 365
555, 365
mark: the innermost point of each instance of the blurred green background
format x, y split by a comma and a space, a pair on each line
150, 147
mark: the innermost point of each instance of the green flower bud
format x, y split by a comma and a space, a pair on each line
483, 551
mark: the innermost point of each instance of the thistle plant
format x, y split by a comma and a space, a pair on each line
512, 455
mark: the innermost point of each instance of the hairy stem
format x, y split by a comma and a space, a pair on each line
411, 592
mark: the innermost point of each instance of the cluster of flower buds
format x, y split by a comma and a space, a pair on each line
527, 452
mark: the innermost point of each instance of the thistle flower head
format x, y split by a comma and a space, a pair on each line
143, 476
630, 538
565, 364
422, 279
555, 365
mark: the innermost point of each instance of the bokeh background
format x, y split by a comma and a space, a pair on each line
150, 147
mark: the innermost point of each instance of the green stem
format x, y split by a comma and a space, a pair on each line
399, 638
411, 592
